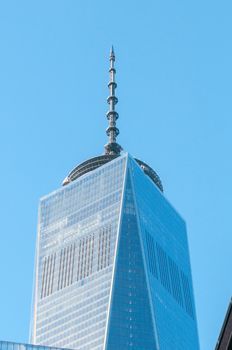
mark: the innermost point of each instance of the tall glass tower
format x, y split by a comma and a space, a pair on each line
112, 260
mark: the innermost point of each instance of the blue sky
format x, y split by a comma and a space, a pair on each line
174, 87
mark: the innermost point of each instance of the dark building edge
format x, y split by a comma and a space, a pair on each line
225, 337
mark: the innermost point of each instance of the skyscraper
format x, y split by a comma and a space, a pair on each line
112, 260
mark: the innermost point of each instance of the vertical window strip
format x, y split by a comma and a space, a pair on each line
81, 254
53, 272
82, 258
175, 281
109, 241
49, 275
85, 256
99, 251
105, 248
89, 252
108, 247
102, 249
59, 273
73, 259
78, 262
68, 256
163, 266
69, 265
149, 251
187, 294
66, 267
63, 269
43, 277
46, 276
91, 268
151, 255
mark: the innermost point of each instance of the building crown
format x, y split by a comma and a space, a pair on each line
112, 148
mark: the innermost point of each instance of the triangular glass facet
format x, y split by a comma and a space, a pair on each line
130, 321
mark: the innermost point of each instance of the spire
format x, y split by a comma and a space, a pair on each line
112, 147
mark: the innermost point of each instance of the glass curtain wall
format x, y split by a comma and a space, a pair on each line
113, 267
164, 243
78, 226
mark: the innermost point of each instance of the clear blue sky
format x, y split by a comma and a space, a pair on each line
174, 87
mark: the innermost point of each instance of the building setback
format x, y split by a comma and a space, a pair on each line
112, 261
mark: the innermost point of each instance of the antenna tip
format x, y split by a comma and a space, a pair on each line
112, 52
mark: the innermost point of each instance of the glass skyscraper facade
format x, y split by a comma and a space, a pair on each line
78, 228
113, 269
112, 259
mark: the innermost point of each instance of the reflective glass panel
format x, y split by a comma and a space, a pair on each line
165, 247
78, 225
